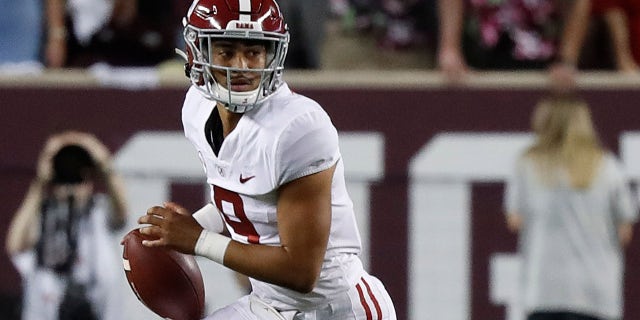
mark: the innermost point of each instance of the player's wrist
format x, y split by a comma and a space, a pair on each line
212, 245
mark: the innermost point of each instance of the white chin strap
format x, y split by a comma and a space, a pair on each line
238, 102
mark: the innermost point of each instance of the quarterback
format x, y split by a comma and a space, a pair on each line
272, 160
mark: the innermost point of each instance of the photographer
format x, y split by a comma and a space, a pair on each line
59, 239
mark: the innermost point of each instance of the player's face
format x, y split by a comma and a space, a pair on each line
242, 55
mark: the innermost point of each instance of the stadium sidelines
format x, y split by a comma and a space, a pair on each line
428, 163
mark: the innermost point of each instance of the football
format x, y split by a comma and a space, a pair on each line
167, 282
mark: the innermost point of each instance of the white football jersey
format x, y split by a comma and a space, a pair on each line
287, 137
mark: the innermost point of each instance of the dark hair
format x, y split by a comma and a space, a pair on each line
73, 164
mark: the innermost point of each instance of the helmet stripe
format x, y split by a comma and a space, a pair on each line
191, 8
245, 10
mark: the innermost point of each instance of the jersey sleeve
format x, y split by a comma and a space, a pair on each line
309, 144
189, 113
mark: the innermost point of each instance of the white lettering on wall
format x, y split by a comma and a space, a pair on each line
439, 216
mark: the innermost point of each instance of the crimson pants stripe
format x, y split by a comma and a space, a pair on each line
363, 301
373, 298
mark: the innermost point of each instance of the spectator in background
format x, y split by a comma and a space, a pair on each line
504, 35
21, 34
572, 207
620, 18
563, 69
397, 24
117, 32
59, 239
621, 21
407, 23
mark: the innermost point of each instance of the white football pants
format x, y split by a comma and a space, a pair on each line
367, 300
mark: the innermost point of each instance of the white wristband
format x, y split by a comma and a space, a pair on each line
212, 245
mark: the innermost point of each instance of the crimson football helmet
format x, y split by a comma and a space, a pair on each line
210, 20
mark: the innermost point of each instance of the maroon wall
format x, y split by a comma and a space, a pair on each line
407, 118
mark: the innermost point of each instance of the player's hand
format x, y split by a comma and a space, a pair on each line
172, 226
177, 208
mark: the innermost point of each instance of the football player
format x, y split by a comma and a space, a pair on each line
277, 181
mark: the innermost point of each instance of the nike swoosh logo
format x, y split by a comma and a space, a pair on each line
243, 180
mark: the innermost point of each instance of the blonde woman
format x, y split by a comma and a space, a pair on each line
572, 207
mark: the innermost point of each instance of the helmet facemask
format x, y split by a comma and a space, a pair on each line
201, 68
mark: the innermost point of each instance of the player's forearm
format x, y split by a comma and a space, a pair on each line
275, 264
294, 269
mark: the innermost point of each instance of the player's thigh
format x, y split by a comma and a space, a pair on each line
373, 297
368, 299
237, 310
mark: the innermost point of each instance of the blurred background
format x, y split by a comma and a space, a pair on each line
427, 145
